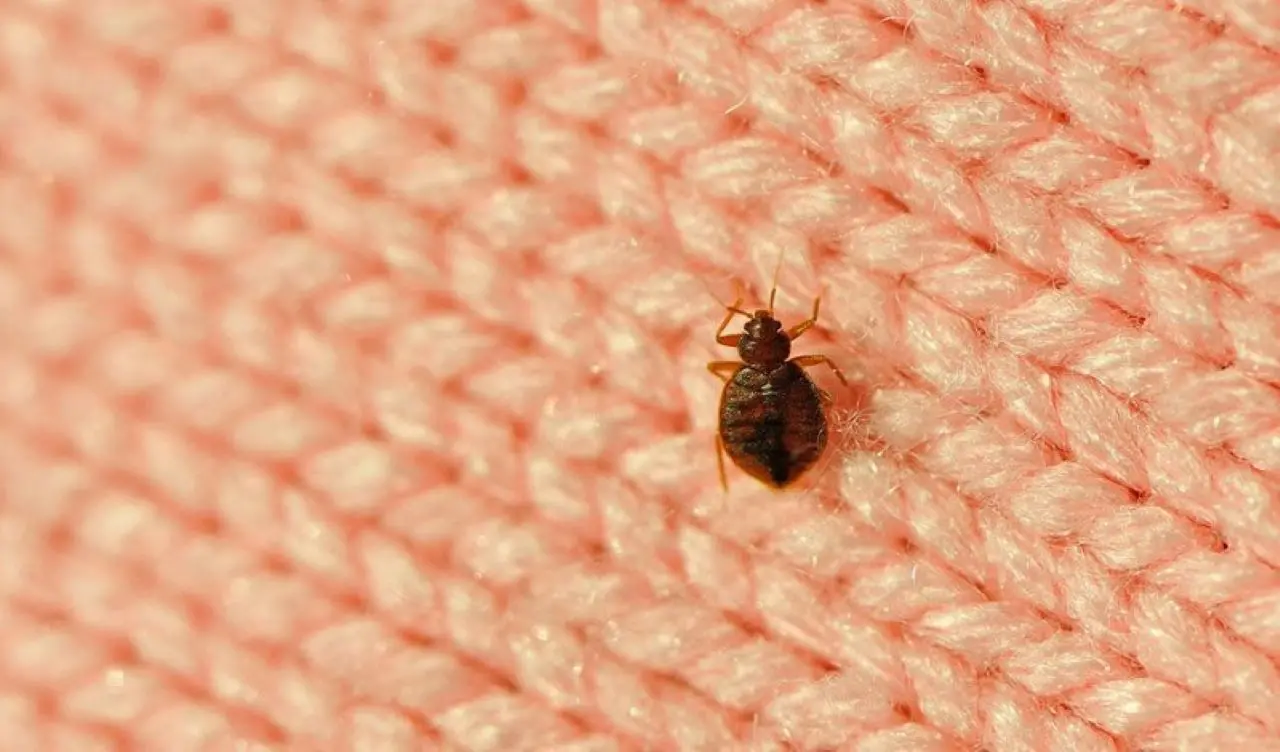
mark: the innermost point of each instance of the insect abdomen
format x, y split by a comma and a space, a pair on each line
772, 425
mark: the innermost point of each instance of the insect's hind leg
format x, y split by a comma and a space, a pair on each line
724, 479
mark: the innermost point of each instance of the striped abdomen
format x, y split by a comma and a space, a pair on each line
772, 424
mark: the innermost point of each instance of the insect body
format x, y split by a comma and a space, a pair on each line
773, 421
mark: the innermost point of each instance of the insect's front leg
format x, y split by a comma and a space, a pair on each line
794, 332
730, 340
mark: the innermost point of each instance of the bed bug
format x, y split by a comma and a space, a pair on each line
773, 417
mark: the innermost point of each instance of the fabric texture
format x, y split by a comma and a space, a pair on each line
353, 387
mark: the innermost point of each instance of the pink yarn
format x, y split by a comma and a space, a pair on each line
352, 391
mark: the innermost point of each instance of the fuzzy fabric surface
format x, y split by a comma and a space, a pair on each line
353, 386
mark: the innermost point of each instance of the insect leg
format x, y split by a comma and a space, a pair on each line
723, 368
724, 479
820, 360
804, 326
730, 340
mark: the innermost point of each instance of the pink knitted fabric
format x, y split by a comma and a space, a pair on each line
353, 389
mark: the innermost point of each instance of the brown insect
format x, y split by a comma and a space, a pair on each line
773, 418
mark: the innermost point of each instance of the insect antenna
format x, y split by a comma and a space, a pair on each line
734, 307
773, 290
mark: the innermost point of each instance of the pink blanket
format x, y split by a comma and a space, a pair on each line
353, 390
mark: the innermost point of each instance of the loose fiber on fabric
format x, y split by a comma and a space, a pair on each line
353, 389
